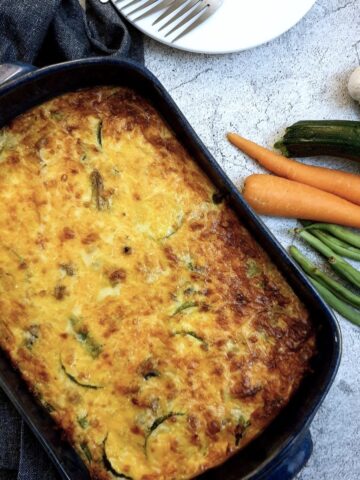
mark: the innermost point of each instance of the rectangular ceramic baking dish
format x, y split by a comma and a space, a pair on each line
285, 446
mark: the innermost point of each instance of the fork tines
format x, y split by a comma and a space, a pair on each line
178, 14
141, 5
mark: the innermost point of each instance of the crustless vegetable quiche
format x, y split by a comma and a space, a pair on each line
139, 310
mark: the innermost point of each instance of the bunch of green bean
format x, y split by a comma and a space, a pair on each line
334, 243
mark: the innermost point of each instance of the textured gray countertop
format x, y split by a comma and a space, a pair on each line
301, 75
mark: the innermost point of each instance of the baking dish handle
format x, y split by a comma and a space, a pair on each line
294, 460
9, 71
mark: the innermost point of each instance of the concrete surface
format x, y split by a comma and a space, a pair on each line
303, 74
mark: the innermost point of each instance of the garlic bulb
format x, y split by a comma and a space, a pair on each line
354, 84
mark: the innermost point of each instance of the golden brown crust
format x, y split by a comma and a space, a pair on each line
137, 307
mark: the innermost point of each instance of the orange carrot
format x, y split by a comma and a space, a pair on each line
346, 185
271, 195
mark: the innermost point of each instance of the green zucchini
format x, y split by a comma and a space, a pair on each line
21, 260
84, 447
148, 369
151, 374
56, 115
112, 470
338, 138
174, 229
83, 336
48, 407
195, 268
184, 306
77, 381
108, 465
252, 268
157, 423
83, 422
193, 335
240, 429
99, 133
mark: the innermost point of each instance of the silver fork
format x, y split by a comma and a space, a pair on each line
140, 5
179, 13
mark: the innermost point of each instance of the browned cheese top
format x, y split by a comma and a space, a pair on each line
135, 304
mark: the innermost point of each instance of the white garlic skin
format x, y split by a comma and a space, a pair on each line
354, 84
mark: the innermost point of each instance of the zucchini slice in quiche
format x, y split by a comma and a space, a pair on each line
192, 335
170, 437
157, 423
122, 457
84, 337
159, 217
77, 370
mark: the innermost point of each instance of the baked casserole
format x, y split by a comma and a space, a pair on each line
137, 307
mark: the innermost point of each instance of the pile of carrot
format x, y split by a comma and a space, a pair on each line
298, 190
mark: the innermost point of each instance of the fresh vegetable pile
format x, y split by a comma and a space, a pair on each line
300, 191
319, 194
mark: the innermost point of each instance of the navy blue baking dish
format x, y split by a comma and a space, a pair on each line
285, 446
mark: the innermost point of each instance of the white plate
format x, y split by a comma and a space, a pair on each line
237, 25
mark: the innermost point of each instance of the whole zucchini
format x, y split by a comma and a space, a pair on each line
338, 138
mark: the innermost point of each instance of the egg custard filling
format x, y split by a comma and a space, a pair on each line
137, 307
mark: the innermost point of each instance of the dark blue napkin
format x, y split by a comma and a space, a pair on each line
43, 32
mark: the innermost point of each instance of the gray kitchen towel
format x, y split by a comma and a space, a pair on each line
43, 32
